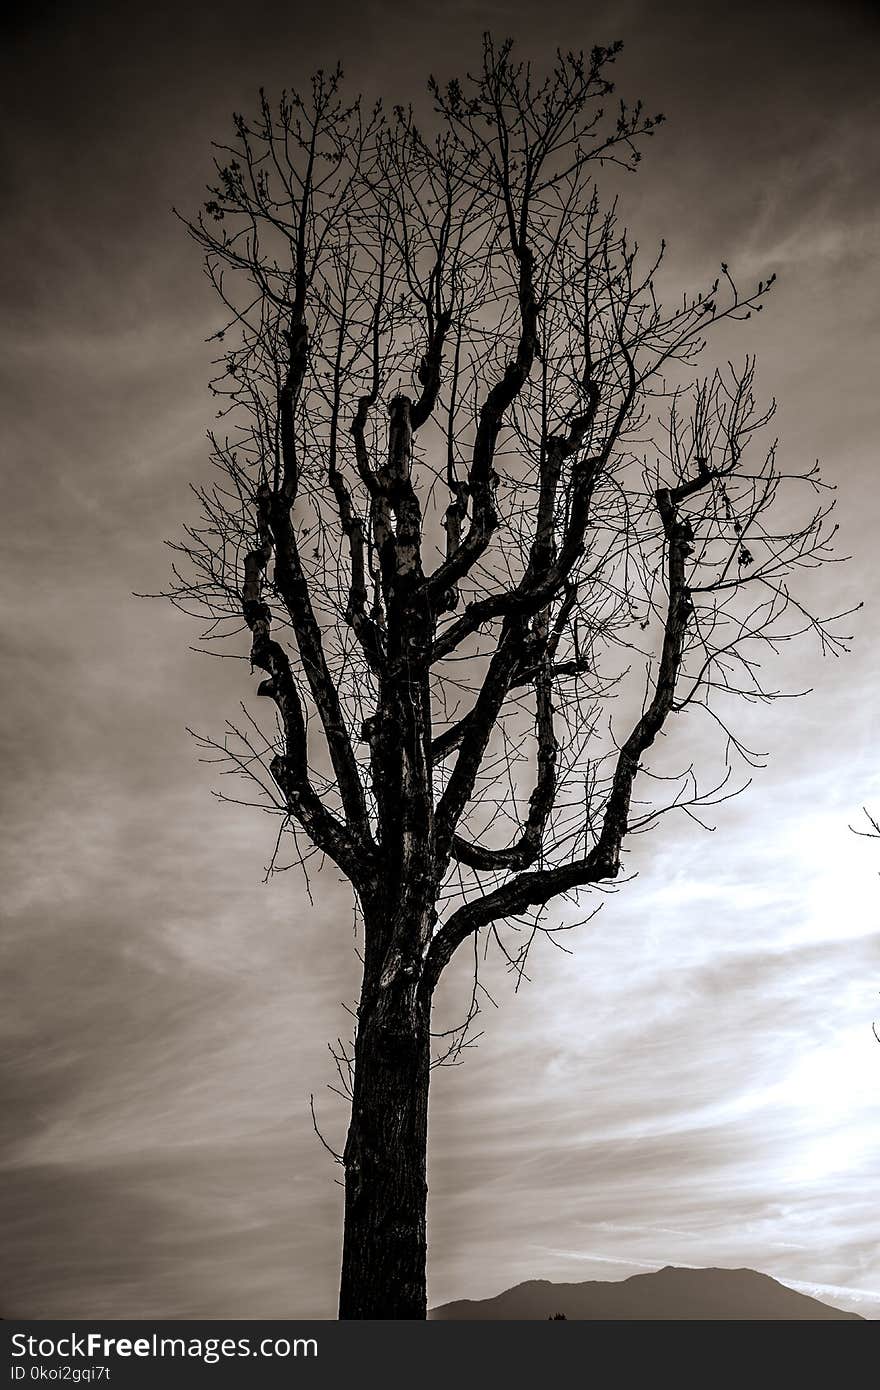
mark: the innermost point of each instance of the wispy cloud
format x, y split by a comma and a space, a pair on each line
697, 1084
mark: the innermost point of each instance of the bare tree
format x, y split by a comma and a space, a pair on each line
472, 488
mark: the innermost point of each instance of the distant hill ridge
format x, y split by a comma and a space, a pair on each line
670, 1293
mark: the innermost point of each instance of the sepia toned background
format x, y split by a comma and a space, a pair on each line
698, 1083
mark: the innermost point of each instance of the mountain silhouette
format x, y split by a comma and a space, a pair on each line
670, 1293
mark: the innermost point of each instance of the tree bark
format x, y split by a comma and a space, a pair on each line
386, 1190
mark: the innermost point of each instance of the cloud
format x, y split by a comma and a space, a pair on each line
697, 1082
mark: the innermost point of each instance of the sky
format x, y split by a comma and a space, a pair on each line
698, 1083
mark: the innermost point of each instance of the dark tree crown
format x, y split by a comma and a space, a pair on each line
470, 472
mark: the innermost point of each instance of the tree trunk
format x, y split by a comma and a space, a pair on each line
384, 1242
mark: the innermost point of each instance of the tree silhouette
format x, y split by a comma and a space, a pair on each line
490, 532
